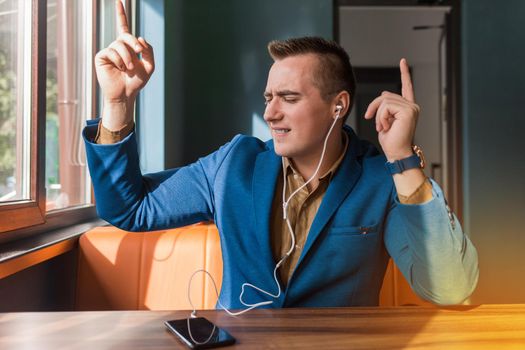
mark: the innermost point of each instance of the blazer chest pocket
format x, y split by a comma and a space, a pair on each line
361, 230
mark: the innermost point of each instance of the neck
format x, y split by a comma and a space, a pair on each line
306, 165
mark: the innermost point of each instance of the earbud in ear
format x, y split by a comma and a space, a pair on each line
338, 109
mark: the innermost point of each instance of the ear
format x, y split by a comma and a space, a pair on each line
341, 99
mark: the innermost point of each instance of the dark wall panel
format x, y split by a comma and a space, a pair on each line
217, 65
493, 37
49, 286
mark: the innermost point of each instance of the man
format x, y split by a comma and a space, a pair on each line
343, 213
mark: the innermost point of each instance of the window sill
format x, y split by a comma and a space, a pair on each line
23, 253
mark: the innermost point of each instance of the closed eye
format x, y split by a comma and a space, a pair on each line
289, 96
286, 96
290, 99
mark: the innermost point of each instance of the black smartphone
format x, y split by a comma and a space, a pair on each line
199, 333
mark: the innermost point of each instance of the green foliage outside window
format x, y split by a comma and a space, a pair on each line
8, 122
52, 155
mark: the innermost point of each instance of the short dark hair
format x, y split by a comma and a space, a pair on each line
334, 73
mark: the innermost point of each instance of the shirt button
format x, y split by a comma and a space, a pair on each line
298, 247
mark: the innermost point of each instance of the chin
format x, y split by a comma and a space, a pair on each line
287, 149
286, 153
282, 151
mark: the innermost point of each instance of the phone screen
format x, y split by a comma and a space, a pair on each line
202, 334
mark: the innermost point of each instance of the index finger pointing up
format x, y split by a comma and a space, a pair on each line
407, 91
122, 21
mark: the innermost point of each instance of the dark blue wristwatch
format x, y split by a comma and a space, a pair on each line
417, 160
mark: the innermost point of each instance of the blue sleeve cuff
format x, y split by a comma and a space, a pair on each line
90, 132
93, 121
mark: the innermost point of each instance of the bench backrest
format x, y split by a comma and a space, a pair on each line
121, 270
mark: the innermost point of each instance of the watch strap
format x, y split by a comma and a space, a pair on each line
398, 166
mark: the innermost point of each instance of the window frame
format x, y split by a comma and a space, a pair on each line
29, 216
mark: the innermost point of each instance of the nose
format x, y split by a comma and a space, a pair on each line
272, 111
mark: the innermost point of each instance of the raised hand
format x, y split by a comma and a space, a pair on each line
121, 73
396, 117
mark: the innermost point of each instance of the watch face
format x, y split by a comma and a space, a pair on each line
419, 152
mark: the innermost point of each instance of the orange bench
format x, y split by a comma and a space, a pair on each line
121, 270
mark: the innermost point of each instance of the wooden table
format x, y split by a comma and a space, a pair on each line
464, 327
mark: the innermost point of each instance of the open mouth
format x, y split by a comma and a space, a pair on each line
281, 131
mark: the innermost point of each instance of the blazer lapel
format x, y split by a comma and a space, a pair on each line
340, 186
267, 167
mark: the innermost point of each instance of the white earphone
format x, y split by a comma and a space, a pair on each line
338, 109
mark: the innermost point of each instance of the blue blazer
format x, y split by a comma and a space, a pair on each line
359, 225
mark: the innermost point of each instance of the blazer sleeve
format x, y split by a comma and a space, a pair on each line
134, 202
428, 245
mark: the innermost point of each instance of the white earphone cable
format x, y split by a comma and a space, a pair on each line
288, 253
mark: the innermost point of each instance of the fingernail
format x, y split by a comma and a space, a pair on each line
138, 47
130, 65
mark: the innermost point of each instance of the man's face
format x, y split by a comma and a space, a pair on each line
296, 113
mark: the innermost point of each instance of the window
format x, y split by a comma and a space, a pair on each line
69, 102
15, 106
45, 99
